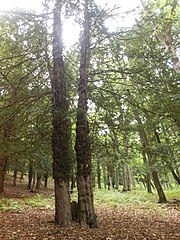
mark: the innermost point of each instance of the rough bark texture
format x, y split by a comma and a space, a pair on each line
86, 214
62, 203
60, 123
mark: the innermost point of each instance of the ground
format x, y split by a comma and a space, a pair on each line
127, 223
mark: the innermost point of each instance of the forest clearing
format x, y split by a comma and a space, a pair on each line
121, 216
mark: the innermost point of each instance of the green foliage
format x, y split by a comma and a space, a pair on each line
39, 201
9, 205
134, 198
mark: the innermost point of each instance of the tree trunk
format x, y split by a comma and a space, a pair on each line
2, 174
176, 177
62, 210
146, 149
129, 182
33, 182
22, 176
86, 214
162, 197
72, 181
99, 174
147, 175
109, 177
117, 177
61, 127
45, 180
133, 183
104, 176
38, 182
15, 176
30, 175
124, 178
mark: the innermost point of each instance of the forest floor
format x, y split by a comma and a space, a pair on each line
28, 217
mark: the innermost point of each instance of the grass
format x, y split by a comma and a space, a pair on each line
135, 198
113, 198
39, 201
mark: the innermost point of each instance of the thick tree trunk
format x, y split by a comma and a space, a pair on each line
62, 209
61, 127
86, 214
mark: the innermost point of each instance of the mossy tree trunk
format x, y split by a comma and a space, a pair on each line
61, 126
86, 213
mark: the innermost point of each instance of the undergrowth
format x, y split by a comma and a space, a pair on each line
39, 201
9, 205
113, 198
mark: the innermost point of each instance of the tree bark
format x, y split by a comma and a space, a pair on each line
99, 174
104, 176
38, 182
45, 180
124, 178
117, 177
61, 126
15, 176
2, 174
86, 214
176, 177
30, 174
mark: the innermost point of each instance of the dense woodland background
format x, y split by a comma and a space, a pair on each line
131, 98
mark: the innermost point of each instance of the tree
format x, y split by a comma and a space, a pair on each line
22, 70
61, 126
87, 215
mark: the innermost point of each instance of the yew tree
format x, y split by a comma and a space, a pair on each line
61, 128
